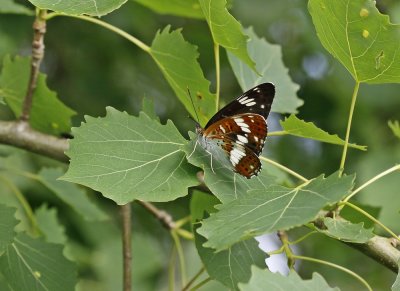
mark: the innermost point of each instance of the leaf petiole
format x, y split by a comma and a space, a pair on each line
346, 141
358, 277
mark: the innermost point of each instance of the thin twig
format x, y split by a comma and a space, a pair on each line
195, 277
39, 29
127, 246
164, 217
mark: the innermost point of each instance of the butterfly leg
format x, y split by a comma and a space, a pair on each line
211, 162
195, 145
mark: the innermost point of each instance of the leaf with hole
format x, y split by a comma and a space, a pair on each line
360, 37
297, 127
274, 208
269, 63
127, 157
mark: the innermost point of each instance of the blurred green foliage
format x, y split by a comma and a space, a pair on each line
91, 68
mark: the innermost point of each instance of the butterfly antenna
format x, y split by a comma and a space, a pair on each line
194, 108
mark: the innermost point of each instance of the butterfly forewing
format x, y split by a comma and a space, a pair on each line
257, 100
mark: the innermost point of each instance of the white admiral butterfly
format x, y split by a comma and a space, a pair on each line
235, 135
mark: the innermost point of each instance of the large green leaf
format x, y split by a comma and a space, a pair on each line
71, 194
10, 7
360, 37
265, 280
177, 60
48, 113
272, 209
49, 225
232, 265
128, 157
269, 64
79, 7
297, 127
223, 182
31, 264
7, 224
185, 8
226, 30
346, 231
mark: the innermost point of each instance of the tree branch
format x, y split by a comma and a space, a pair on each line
164, 217
39, 29
21, 135
382, 250
127, 246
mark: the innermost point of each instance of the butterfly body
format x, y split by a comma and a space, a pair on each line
235, 135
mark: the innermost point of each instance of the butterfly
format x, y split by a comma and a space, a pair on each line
236, 134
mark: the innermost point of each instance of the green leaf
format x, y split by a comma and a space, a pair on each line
232, 265
360, 37
148, 108
272, 209
395, 127
297, 127
31, 264
226, 30
48, 113
346, 231
177, 60
223, 182
396, 284
354, 216
71, 194
265, 280
10, 7
79, 7
268, 58
7, 225
184, 8
127, 157
49, 225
